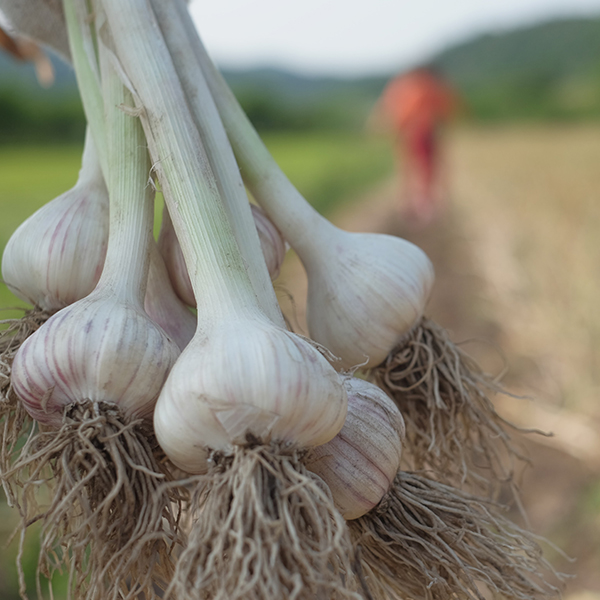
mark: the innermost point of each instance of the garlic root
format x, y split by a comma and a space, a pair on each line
110, 517
452, 427
265, 529
14, 420
429, 541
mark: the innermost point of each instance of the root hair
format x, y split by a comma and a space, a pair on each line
14, 420
109, 520
452, 427
264, 528
430, 541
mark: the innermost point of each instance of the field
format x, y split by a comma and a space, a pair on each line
516, 255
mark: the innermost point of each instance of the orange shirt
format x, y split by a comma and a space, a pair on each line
417, 101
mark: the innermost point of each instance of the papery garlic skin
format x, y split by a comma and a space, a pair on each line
97, 349
246, 376
56, 256
365, 291
359, 465
272, 244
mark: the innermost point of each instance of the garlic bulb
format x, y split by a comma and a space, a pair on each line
246, 376
170, 250
105, 348
365, 292
361, 462
98, 349
163, 305
56, 256
272, 245
91, 375
246, 396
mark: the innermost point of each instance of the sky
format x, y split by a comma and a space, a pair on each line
358, 37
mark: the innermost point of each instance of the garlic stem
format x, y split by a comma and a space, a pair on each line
365, 291
219, 277
85, 63
131, 197
220, 154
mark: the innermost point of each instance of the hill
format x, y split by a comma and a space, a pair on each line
548, 71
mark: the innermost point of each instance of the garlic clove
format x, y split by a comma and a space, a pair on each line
365, 291
359, 465
97, 349
281, 385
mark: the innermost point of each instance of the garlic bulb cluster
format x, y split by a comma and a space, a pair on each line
70, 235
105, 348
99, 349
272, 245
361, 462
246, 376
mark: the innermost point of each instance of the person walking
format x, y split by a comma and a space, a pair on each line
415, 105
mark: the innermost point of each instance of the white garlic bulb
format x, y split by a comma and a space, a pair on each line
56, 256
246, 376
97, 349
163, 305
170, 250
359, 465
365, 291
272, 244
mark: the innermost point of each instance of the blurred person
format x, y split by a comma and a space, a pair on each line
414, 105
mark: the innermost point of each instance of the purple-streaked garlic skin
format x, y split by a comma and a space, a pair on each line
56, 256
272, 245
359, 465
365, 292
163, 305
97, 349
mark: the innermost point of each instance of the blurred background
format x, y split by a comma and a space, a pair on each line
511, 222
